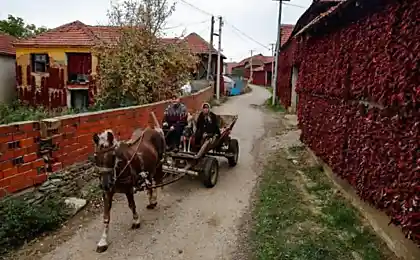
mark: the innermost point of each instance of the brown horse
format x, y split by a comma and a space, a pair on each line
126, 166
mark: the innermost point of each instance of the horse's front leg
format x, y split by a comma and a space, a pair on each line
103, 242
132, 205
152, 193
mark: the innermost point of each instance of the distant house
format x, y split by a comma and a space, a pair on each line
261, 70
7, 68
229, 67
57, 68
257, 69
200, 47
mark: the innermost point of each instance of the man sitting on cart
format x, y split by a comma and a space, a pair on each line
174, 121
207, 125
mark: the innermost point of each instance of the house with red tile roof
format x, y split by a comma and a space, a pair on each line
261, 71
7, 68
57, 68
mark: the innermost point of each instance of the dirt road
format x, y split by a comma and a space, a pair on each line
190, 222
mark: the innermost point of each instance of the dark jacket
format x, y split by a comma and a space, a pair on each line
208, 126
176, 115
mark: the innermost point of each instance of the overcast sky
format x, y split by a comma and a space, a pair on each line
255, 18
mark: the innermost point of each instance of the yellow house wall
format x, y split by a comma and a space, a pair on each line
58, 59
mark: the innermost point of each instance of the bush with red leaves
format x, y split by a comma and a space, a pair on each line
359, 107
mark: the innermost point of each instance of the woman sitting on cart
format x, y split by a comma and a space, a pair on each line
207, 125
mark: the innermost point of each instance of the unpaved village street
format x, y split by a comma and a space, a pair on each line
190, 222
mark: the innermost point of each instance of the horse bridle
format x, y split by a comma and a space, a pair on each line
113, 169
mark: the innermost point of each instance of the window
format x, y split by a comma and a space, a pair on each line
79, 99
40, 62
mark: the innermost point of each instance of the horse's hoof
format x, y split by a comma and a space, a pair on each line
151, 206
135, 226
101, 249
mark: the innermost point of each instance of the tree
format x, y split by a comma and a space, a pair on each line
16, 27
139, 68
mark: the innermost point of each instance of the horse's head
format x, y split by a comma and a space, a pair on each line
105, 158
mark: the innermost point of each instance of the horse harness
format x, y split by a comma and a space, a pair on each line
142, 174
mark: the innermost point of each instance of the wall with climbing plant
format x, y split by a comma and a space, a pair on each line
359, 101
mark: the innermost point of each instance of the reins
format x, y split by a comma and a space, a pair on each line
132, 157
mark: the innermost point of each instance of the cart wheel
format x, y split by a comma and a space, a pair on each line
210, 172
233, 149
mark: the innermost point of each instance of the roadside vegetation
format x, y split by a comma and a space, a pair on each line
22, 221
17, 111
299, 215
269, 104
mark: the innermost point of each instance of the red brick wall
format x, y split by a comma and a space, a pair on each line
21, 164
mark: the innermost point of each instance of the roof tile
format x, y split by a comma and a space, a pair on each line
80, 34
71, 34
286, 31
6, 44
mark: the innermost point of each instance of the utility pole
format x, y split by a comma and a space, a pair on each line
250, 66
277, 56
219, 58
209, 65
272, 64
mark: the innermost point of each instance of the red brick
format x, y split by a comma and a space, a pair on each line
6, 156
70, 121
11, 189
38, 163
24, 167
4, 147
24, 143
40, 179
16, 178
30, 174
6, 138
56, 167
19, 152
19, 136
10, 172
57, 138
4, 182
32, 149
20, 182
7, 129
30, 157
6, 165
26, 127
33, 134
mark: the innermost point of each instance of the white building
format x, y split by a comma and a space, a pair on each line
7, 69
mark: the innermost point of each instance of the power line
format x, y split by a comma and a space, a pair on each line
248, 37
196, 8
300, 6
182, 25
234, 27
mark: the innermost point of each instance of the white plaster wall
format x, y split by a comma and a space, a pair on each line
7, 79
294, 100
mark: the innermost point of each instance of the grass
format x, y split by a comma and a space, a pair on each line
298, 215
269, 103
